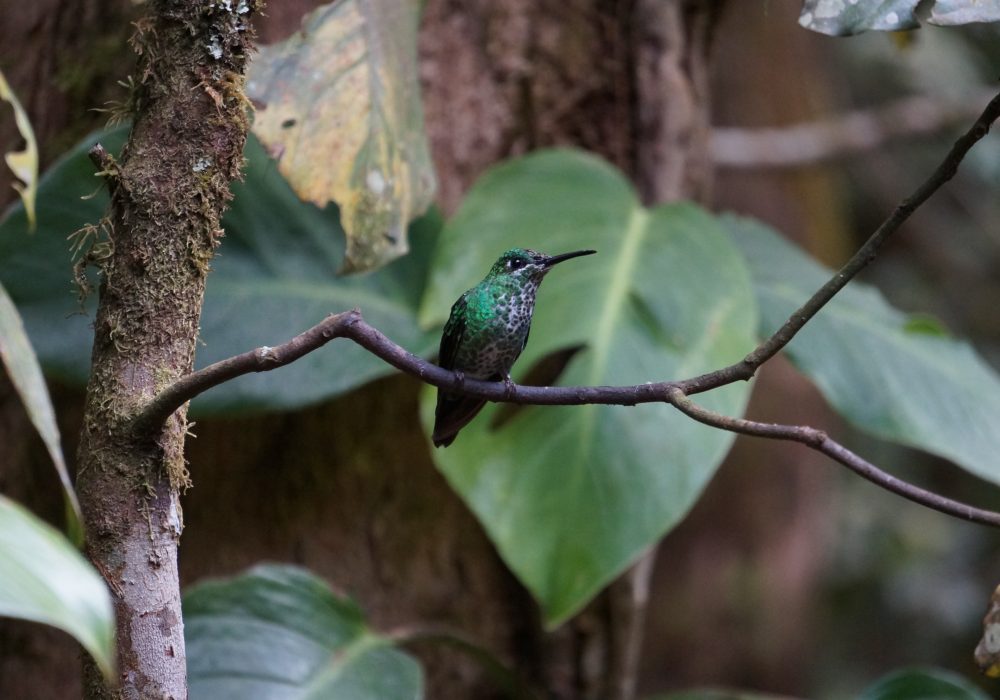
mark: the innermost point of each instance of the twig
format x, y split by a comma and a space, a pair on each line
865, 255
854, 132
103, 160
261, 359
821, 442
350, 325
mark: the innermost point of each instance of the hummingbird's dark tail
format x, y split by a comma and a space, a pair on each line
452, 414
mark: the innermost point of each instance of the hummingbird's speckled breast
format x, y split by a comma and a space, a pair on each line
498, 318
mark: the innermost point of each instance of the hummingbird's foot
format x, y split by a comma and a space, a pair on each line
508, 387
459, 379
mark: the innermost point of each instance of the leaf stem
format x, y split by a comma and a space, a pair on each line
505, 678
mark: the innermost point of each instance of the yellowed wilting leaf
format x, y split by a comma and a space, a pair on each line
24, 163
338, 106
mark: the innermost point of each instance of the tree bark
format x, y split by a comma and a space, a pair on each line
672, 44
168, 194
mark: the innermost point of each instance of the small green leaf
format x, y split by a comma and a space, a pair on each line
921, 389
42, 578
339, 107
24, 164
274, 276
922, 684
572, 495
279, 633
19, 358
924, 323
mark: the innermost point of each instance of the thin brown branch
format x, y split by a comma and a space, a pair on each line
865, 255
102, 159
848, 134
261, 359
821, 442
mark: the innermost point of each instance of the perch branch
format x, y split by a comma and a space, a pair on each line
351, 325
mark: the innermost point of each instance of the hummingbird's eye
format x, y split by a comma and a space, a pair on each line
515, 264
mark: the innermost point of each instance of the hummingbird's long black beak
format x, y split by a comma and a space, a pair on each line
555, 259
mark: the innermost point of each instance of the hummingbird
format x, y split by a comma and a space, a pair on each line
487, 330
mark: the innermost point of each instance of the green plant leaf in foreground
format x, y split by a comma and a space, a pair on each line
26, 376
881, 369
24, 164
572, 495
922, 684
279, 633
273, 278
42, 578
339, 106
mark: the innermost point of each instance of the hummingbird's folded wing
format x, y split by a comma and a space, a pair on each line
454, 331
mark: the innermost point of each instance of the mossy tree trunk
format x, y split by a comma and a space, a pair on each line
168, 193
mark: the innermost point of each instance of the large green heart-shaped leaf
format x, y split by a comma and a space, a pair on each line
279, 633
339, 105
922, 684
891, 375
572, 495
42, 578
273, 278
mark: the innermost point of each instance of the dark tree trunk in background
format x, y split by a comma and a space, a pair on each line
348, 489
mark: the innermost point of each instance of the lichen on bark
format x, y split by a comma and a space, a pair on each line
168, 193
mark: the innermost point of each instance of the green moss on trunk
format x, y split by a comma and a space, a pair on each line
169, 191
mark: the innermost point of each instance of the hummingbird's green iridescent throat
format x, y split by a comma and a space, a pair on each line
487, 330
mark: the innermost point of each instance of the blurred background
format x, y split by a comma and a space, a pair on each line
790, 576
